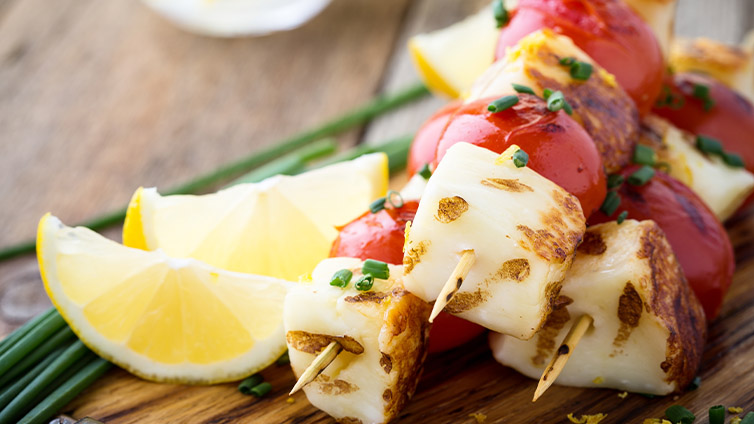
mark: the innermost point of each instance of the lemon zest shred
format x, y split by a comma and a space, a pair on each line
735, 410
479, 417
587, 419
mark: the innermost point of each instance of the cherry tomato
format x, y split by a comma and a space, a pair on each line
377, 236
425, 142
380, 236
558, 147
607, 30
727, 116
698, 239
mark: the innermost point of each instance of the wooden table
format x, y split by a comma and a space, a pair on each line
100, 97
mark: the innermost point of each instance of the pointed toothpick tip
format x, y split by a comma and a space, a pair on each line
451, 287
318, 365
560, 358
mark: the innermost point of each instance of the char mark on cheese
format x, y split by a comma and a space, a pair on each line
314, 343
465, 301
414, 255
386, 363
451, 208
593, 244
512, 185
514, 269
546, 336
630, 306
335, 387
367, 297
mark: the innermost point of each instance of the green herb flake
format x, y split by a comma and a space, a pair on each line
520, 158
622, 217
364, 283
611, 203
377, 269
679, 414
425, 172
341, 278
523, 89
501, 13
502, 103
641, 176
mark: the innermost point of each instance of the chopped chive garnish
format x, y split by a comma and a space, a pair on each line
365, 282
717, 415
644, 155
669, 99
557, 101
648, 395
622, 217
734, 160
341, 278
748, 419
425, 172
546, 93
502, 103
520, 158
523, 89
501, 13
261, 389
377, 269
567, 61
695, 383
641, 176
678, 414
248, 384
611, 203
284, 359
701, 92
581, 70
394, 198
377, 205
614, 181
709, 145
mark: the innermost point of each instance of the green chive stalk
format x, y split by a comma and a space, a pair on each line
23, 347
62, 337
290, 164
23, 330
359, 116
23, 400
66, 392
10, 392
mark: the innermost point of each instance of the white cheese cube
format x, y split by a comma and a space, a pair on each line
522, 227
383, 332
599, 104
649, 329
723, 188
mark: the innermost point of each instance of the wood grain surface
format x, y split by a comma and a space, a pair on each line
99, 97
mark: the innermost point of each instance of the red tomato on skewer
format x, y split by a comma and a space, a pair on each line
558, 147
607, 30
698, 239
380, 236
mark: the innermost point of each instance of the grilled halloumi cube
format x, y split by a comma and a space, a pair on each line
731, 65
649, 328
660, 16
523, 229
599, 104
383, 332
723, 188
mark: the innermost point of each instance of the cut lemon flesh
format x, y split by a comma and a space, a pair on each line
450, 59
163, 319
281, 227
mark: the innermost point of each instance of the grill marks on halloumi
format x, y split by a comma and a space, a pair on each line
523, 229
649, 329
383, 332
599, 104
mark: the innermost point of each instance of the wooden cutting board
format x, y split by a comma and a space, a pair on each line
462, 382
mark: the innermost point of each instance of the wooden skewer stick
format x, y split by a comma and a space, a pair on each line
562, 354
317, 366
454, 283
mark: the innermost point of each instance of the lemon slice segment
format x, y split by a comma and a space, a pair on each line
450, 59
281, 227
163, 319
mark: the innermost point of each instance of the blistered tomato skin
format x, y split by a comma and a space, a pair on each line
729, 118
380, 236
607, 30
558, 147
698, 239
423, 147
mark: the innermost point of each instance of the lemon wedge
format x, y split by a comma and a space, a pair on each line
281, 227
163, 319
450, 59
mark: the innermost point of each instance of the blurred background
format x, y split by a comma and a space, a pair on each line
99, 97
